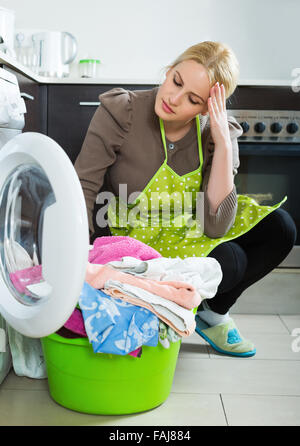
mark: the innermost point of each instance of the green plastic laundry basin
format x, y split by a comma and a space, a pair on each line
106, 384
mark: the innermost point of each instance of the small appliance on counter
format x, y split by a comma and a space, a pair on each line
7, 28
89, 68
47, 53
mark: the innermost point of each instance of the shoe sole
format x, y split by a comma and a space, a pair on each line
218, 349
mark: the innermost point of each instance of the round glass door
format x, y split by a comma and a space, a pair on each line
44, 237
25, 196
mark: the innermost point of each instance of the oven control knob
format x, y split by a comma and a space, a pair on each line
260, 127
276, 127
245, 126
292, 127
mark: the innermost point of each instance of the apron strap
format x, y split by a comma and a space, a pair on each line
163, 137
199, 141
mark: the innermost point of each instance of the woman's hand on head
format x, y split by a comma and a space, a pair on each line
218, 115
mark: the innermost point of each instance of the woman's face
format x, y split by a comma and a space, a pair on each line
184, 93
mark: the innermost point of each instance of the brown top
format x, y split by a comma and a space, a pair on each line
123, 145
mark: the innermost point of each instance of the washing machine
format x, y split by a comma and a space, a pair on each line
43, 233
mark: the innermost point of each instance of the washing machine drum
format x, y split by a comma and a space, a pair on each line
43, 235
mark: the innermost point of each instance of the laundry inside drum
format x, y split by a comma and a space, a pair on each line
24, 198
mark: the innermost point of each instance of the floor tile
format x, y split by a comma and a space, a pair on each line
237, 376
276, 293
258, 410
14, 382
182, 410
292, 322
262, 390
193, 339
259, 323
193, 347
36, 408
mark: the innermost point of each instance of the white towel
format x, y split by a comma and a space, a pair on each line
205, 274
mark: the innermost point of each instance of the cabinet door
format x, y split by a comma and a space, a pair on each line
70, 110
35, 97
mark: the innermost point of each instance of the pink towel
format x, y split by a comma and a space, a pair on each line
182, 293
24, 277
75, 323
113, 248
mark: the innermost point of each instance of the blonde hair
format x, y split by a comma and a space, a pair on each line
219, 60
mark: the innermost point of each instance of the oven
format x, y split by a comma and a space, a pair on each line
269, 149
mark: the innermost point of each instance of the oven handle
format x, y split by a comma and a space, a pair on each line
269, 149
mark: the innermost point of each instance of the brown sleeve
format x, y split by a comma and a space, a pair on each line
108, 128
217, 224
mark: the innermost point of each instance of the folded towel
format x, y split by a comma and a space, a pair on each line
178, 318
182, 293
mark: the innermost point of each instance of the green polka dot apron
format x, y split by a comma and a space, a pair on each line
164, 214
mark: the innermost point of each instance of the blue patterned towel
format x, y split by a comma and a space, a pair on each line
115, 326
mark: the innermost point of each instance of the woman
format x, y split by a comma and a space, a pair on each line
174, 148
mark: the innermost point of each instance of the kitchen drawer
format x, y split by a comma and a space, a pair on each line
70, 110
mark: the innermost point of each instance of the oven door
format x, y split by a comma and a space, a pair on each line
268, 172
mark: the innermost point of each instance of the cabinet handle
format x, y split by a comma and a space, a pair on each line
89, 104
27, 96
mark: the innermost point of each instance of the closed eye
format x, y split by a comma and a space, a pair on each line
179, 84
193, 102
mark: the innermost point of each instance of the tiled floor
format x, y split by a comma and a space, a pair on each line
209, 389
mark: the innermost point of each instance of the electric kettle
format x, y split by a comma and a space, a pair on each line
56, 50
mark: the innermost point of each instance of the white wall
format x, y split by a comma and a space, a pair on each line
137, 38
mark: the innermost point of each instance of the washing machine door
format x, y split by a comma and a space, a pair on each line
44, 238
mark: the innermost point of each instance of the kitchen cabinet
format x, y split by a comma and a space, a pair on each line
63, 111
70, 110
